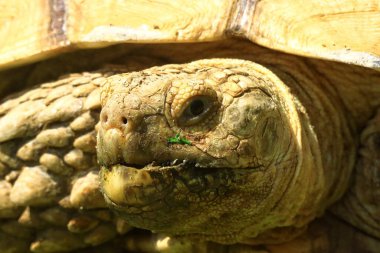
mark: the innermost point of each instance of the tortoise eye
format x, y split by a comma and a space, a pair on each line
196, 107
195, 110
192, 105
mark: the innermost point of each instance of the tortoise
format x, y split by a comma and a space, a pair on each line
221, 146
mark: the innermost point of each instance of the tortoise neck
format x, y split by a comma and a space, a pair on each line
357, 88
326, 130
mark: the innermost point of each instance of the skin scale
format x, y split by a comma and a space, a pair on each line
287, 144
348, 128
261, 140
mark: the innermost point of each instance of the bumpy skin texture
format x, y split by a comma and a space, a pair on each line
49, 170
257, 144
49, 189
319, 110
253, 148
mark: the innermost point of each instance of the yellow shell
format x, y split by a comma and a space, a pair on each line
343, 30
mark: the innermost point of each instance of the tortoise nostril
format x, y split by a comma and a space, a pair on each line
114, 120
104, 117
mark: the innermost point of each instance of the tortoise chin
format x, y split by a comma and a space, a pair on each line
178, 199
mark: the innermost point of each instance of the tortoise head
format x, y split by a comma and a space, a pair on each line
209, 150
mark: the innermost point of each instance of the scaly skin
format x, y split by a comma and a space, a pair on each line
49, 169
254, 147
42, 148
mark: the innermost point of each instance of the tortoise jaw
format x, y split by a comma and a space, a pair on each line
164, 198
132, 185
127, 186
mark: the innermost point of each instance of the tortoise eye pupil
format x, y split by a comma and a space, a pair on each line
195, 110
197, 107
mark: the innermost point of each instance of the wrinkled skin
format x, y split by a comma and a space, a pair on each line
264, 188
230, 161
254, 163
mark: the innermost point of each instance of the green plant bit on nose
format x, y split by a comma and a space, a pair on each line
178, 140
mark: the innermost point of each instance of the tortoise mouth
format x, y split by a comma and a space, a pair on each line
131, 185
178, 198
